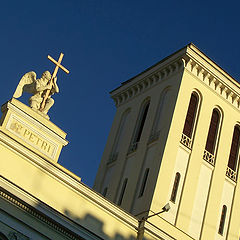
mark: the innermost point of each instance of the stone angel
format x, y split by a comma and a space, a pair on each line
38, 87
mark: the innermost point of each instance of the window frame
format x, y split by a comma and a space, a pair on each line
175, 187
123, 189
144, 182
236, 163
217, 132
196, 113
222, 220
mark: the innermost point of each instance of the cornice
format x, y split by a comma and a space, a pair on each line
155, 231
62, 224
221, 83
148, 81
39, 125
38, 215
190, 59
52, 168
70, 182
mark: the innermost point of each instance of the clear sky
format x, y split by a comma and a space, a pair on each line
105, 42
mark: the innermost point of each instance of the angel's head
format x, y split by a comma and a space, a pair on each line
46, 75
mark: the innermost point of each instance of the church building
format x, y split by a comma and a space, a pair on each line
169, 170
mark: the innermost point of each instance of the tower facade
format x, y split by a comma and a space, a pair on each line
175, 139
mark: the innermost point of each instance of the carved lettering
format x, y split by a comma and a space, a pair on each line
31, 137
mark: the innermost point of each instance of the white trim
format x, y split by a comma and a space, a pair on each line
38, 133
69, 181
39, 125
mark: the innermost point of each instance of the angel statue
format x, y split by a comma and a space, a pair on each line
38, 87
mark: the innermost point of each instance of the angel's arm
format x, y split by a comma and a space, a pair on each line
55, 86
40, 87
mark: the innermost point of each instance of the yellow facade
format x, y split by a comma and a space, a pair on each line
145, 151
207, 183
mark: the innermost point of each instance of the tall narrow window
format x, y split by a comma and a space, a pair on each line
144, 181
159, 119
122, 191
212, 132
119, 136
105, 191
222, 220
175, 187
139, 127
233, 157
190, 118
141, 122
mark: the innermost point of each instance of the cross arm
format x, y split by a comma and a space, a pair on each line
57, 63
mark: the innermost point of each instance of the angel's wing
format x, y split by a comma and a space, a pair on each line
26, 84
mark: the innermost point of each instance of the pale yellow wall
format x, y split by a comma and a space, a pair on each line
203, 188
72, 199
185, 218
180, 167
25, 225
61, 197
199, 200
133, 165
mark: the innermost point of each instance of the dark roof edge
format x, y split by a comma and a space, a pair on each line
147, 69
169, 56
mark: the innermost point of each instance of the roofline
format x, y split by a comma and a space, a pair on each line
169, 56
164, 59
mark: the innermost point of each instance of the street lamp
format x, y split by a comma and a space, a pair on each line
141, 223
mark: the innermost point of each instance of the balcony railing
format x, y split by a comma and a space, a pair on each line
154, 136
231, 174
113, 157
133, 147
186, 141
209, 157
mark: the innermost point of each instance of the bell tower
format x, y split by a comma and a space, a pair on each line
175, 139
131, 162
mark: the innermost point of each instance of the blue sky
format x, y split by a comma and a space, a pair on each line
105, 43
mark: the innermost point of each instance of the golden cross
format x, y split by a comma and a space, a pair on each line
58, 65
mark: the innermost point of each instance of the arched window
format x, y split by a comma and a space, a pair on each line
212, 132
233, 157
162, 107
124, 185
222, 220
191, 115
139, 126
144, 181
175, 187
119, 136
141, 122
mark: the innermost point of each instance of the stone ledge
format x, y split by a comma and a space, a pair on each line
32, 130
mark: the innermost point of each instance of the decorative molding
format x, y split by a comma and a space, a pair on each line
186, 141
133, 147
38, 215
72, 183
32, 136
194, 62
231, 174
112, 158
16, 236
157, 232
212, 81
209, 157
49, 167
39, 125
147, 82
154, 136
